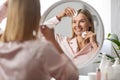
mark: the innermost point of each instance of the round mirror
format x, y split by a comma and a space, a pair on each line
81, 35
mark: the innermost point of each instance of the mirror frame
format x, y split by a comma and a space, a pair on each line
44, 16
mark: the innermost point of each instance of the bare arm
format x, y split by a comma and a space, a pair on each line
66, 12
51, 23
49, 32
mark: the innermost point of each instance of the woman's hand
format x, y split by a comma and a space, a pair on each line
67, 12
49, 35
91, 38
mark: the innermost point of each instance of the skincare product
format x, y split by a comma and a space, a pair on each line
98, 74
75, 14
116, 69
84, 34
102, 66
103, 62
108, 71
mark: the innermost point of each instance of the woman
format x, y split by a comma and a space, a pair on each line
83, 40
24, 56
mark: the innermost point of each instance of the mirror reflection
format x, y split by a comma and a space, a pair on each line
83, 40
77, 30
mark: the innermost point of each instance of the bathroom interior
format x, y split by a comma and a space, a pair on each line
108, 12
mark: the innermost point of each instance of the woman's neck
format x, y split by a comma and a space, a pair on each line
80, 42
79, 38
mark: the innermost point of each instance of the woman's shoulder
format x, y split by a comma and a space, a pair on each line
25, 44
44, 44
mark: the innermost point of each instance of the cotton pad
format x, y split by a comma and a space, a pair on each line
75, 14
84, 34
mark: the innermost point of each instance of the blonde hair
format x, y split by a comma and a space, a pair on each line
22, 20
89, 16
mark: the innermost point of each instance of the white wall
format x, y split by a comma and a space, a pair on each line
45, 4
115, 16
2, 1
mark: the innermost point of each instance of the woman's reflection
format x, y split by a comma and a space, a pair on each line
83, 40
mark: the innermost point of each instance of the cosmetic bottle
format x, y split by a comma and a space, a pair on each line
103, 62
102, 65
116, 69
108, 71
75, 14
98, 74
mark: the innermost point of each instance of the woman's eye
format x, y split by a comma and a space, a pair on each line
82, 21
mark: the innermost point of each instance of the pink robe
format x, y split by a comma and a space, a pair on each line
34, 60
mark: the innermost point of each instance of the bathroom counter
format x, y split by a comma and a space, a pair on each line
81, 77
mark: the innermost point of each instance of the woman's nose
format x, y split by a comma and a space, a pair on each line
78, 25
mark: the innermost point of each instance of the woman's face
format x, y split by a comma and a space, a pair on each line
80, 23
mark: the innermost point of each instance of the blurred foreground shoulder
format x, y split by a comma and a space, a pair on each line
59, 65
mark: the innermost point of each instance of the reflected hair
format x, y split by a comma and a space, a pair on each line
89, 16
23, 19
